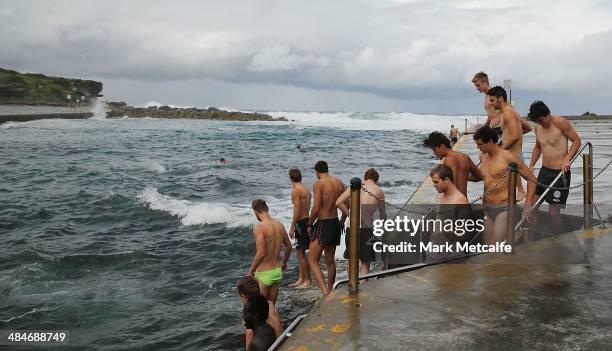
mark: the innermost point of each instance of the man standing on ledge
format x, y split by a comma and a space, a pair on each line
300, 197
325, 233
454, 134
512, 134
462, 166
552, 134
494, 164
270, 235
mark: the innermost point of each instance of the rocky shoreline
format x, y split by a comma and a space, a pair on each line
121, 109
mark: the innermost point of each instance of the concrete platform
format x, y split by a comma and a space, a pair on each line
553, 294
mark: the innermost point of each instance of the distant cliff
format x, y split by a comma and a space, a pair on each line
38, 89
120, 109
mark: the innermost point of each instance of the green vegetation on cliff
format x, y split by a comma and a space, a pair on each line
38, 89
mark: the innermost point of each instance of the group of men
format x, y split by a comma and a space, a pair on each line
500, 143
317, 228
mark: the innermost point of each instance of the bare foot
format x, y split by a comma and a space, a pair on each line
304, 285
299, 282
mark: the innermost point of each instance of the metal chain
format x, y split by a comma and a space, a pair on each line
490, 189
569, 187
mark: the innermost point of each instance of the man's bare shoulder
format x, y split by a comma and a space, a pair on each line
561, 122
259, 228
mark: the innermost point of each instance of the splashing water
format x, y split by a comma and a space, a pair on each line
99, 109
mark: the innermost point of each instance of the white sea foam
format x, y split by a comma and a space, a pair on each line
375, 121
98, 109
156, 167
8, 125
191, 213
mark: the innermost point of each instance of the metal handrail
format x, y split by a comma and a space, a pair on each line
397, 270
543, 196
287, 333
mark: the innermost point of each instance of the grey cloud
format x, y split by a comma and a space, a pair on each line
420, 52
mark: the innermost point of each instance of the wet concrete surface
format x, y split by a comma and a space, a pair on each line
552, 294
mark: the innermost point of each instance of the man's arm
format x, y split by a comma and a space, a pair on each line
525, 125
570, 133
343, 201
382, 210
474, 174
511, 129
316, 205
288, 247
260, 243
297, 209
535, 154
531, 186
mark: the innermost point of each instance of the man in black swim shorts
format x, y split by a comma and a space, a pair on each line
325, 233
552, 135
300, 197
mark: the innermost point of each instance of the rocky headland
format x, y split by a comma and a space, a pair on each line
120, 109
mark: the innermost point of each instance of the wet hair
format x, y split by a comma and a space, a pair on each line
295, 175
486, 134
452, 126
222, 160
498, 92
321, 167
480, 77
258, 307
371, 174
537, 110
259, 205
443, 171
248, 287
436, 139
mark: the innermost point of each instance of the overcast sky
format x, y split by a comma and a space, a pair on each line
368, 55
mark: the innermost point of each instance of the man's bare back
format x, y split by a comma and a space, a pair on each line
327, 190
272, 234
302, 195
463, 169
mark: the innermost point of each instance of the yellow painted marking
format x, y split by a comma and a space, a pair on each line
318, 328
340, 328
422, 280
594, 233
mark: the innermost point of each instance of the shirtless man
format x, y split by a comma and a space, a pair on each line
300, 197
494, 164
325, 233
461, 164
509, 122
270, 235
448, 194
454, 134
255, 312
369, 205
247, 287
481, 82
552, 134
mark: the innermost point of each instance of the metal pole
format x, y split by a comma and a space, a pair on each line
587, 192
512, 181
465, 126
354, 239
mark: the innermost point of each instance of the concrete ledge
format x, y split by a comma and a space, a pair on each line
33, 117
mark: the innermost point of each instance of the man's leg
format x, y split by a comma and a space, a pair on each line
330, 251
301, 258
364, 267
273, 293
555, 217
264, 290
489, 228
499, 232
315, 250
304, 270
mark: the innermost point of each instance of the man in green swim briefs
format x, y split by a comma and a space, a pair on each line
270, 235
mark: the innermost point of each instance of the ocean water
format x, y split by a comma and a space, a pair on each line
129, 234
